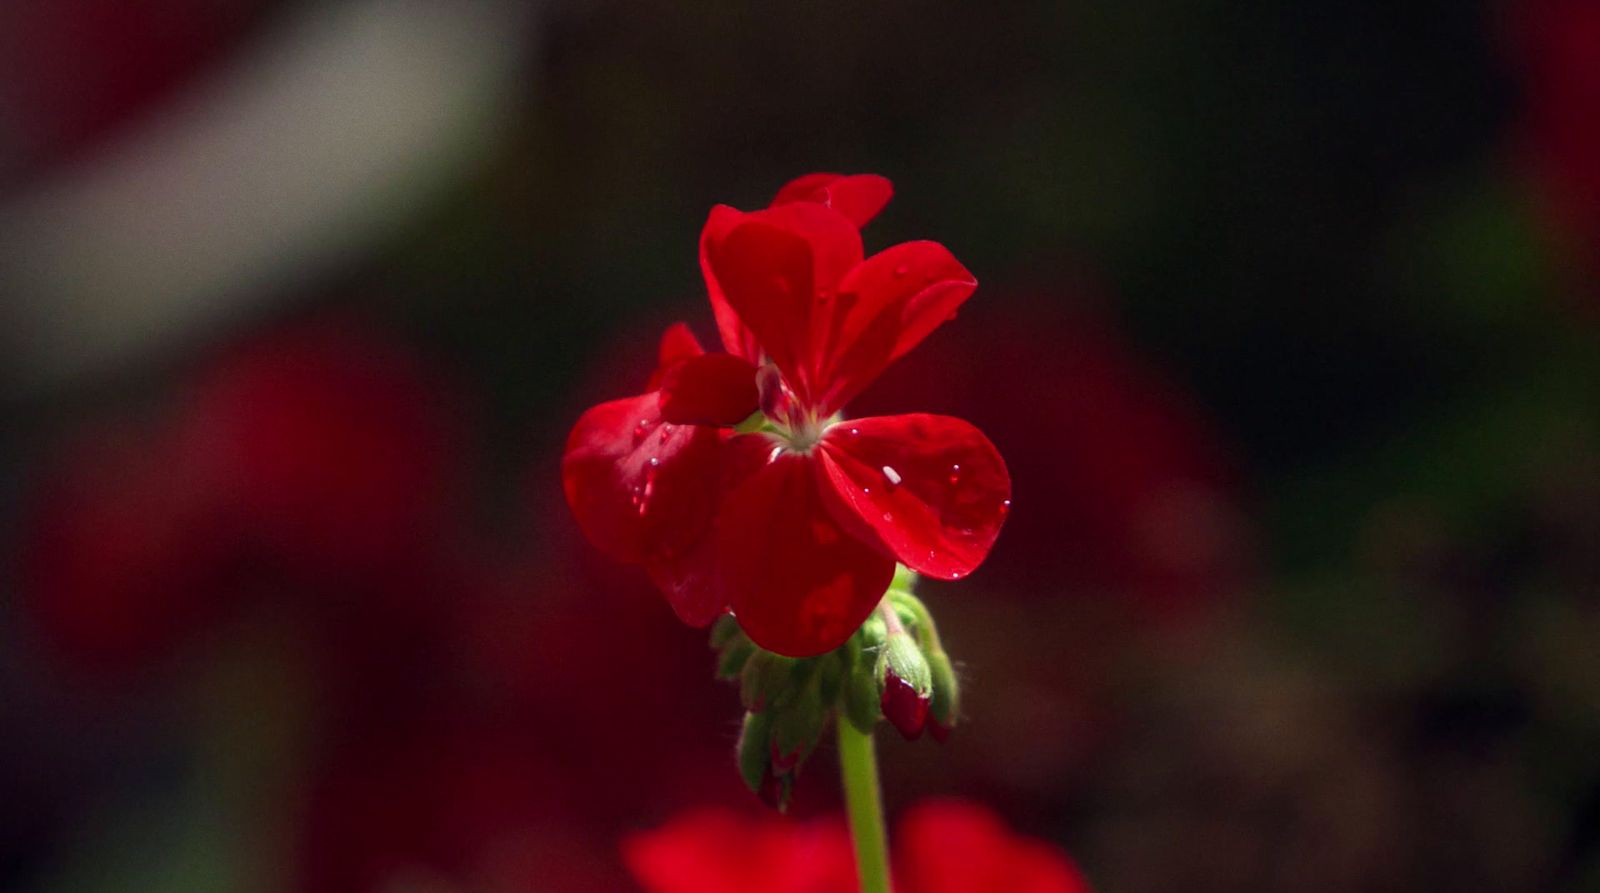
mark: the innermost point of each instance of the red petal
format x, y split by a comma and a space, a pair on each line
886, 306
859, 197
805, 188
950, 846
713, 389
777, 269
689, 582
799, 584
736, 337
678, 343
931, 489
639, 486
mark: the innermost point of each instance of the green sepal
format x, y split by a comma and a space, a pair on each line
797, 727
768, 680
905, 579
903, 657
755, 750
724, 631
863, 696
733, 658
830, 675
945, 708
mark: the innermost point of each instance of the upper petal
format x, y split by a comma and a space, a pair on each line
932, 490
798, 582
859, 197
886, 306
711, 389
638, 485
737, 338
777, 271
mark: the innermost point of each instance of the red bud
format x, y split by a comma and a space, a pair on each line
903, 707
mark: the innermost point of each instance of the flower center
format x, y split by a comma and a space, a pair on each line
802, 434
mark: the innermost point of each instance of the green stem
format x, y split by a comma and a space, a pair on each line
859, 767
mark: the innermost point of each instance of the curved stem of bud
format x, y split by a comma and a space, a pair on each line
858, 765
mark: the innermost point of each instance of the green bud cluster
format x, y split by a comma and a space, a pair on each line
892, 668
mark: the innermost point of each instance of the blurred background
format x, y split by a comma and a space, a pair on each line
1289, 329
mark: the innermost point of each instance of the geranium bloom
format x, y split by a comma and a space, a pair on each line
942, 846
795, 520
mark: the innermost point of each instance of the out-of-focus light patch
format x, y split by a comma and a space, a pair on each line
312, 148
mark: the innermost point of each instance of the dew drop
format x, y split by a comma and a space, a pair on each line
655, 462
854, 432
665, 432
891, 477
639, 430
901, 270
1005, 508
888, 516
955, 475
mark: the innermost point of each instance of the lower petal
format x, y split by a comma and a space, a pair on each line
932, 490
798, 582
689, 582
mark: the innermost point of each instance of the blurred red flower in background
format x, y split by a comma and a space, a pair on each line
942, 846
1557, 41
317, 459
796, 527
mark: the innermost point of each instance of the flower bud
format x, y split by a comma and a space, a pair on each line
776, 790
862, 693
796, 729
907, 684
768, 680
945, 707
733, 658
724, 632
830, 673
905, 579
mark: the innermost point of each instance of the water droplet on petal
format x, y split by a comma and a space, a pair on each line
955, 475
901, 270
854, 432
1005, 508
655, 461
665, 432
639, 430
888, 516
892, 478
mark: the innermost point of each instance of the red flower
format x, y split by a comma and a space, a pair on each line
794, 523
943, 846
949, 846
1556, 44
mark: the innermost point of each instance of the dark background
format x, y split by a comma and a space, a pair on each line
1286, 327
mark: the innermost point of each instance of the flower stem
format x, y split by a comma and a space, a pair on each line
858, 765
